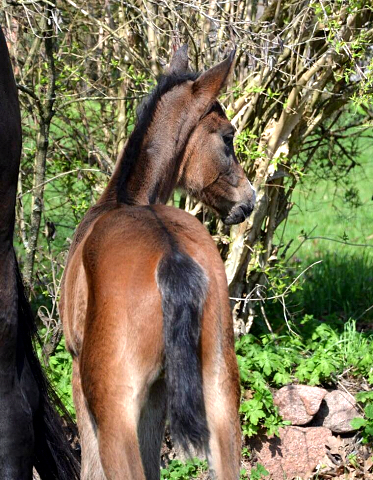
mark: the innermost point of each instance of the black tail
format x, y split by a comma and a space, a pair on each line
183, 286
54, 456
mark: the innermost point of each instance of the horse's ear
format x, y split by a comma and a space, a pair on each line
179, 61
213, 80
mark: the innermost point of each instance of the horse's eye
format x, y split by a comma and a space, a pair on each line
228, 140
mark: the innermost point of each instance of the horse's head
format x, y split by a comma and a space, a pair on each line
183, 138
209, 168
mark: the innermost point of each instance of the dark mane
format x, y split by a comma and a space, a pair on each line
145, 115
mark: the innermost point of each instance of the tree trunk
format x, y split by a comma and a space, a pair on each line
46, 113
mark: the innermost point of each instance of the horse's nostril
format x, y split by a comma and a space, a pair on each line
247, 208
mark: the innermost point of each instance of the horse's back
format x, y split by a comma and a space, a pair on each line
123, 250
129, 230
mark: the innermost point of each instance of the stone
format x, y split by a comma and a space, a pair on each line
296, 453
336, 412
299, 403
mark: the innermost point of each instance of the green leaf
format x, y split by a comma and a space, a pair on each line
357, 423
369, 411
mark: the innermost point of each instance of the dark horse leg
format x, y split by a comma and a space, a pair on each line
151, 429
16, 416
31, 432
53, 456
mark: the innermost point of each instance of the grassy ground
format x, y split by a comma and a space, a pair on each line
342, 213
333, 223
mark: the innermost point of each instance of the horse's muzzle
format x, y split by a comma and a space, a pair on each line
239, 213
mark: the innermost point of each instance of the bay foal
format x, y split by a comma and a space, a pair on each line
145, 301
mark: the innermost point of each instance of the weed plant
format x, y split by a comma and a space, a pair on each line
183, 470
59, 372
366, 423
321, 355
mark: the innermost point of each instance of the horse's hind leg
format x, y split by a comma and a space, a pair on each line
221, 394
117, 436
151, 429
91, 468
116, 402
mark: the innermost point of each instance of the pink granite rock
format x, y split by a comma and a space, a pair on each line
336, 412
295, 454
299, 403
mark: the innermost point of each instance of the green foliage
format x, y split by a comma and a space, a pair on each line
281, 279
330, 350
261, 366
59, 372
258, 472
247, 147
366, 424
364, 94
317, 357
183, 471
194, 467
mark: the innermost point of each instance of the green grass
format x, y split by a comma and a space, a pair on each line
333, 223
340, 285
342, 212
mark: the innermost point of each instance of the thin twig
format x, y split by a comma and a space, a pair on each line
58, 176
340, 241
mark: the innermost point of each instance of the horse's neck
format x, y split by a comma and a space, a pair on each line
152, 177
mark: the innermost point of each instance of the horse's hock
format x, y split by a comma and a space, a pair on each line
313, 441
